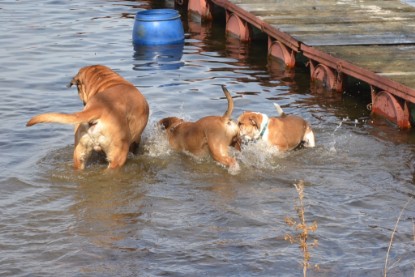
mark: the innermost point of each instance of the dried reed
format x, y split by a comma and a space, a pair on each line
304, 229
385, 270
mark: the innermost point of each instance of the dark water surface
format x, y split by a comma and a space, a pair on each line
166, 213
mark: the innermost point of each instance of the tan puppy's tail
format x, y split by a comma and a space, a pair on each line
75, 118
228, 113
279, 110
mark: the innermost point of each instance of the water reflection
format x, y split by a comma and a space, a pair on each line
197, 30
107, 209
163, 57
278, 70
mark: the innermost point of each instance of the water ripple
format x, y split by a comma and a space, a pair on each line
165, 213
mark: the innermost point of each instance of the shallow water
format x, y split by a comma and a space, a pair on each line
165, 213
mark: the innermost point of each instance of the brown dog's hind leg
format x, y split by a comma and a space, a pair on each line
117, 158
80, 156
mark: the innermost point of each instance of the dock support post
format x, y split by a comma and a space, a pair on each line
329, 78
280, 51
201, 8
389, 107
237, 27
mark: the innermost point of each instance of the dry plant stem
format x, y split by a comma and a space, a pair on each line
301, 226
392, 235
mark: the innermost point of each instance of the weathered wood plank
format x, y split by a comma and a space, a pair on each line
369, 38
328, 22
395, 62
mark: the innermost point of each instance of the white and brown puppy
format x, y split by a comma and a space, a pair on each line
209, 135
286, 132
112, 121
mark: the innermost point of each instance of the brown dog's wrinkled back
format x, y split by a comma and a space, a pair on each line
112, 121
91, 80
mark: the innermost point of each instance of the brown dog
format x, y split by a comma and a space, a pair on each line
209, 135
112, 121
286, 132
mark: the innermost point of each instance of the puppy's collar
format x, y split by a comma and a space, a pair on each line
264, 129
264, 126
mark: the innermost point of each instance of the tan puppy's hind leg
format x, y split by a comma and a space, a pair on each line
225, 160
309, 140
220, 154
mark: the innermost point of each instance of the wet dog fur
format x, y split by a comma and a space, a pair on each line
210, 135
114, 116
285, 132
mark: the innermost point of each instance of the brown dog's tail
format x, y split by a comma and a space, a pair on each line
75, 118
228, 113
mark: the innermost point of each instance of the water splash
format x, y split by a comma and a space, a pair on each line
260, 155
156, 144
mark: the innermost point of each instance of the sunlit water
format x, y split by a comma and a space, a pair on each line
166, 213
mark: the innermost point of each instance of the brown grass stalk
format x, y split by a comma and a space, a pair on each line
392, 236
300, 226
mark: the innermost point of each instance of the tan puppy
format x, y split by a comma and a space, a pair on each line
112, 121
209, 135
286, 132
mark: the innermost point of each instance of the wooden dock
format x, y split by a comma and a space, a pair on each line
370, 40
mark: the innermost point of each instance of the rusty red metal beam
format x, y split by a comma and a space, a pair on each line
359, 73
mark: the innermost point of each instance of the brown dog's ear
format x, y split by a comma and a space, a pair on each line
254, 121
72, 82
169, 121
164, 123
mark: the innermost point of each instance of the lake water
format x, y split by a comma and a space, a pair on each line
168, 214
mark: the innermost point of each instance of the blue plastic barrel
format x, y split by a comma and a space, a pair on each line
158, 26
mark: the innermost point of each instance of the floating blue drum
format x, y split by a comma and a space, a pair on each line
158, 26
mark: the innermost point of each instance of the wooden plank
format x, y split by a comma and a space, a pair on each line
373, 38
394, 62
328, 22
321, 8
